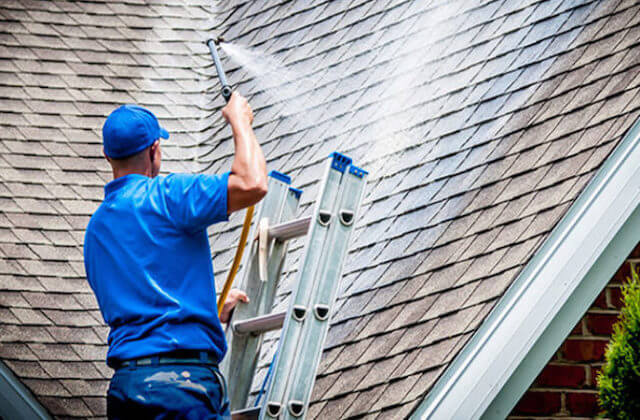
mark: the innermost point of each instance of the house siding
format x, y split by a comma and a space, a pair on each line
566, 387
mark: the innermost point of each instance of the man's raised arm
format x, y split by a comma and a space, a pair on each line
248, 178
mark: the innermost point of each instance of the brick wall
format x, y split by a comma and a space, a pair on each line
566, 387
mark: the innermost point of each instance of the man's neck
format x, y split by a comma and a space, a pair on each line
120, 172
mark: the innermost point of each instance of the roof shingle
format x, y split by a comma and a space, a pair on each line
479, 121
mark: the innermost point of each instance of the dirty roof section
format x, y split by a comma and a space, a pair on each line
480, 122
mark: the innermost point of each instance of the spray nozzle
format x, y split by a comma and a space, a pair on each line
226, 89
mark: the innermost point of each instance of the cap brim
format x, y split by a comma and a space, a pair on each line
164, 133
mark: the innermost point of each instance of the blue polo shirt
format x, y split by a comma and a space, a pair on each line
147, 258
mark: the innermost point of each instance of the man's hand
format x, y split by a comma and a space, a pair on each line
248, 179
238, 112
235, 296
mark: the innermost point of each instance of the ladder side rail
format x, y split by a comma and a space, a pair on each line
297, 312
316, 328
246, 353
233, 364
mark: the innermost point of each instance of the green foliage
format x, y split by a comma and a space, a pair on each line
619, 380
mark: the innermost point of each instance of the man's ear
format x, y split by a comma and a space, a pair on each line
152, 150
105, 155
155, 158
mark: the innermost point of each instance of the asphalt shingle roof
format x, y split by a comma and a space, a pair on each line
480, 122
63, 68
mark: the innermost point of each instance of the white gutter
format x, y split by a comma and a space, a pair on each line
548, 298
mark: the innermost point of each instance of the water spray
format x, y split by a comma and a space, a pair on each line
226, 89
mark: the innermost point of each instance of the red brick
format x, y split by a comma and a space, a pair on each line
615, 296
582, 404
562, 376
587, 351
534, 402
601, 300
636, 252
577, 330
623, 273
601, 324
584, 350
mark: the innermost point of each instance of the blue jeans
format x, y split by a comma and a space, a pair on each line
174, 391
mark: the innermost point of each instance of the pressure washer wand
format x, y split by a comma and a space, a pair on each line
248, 217
226, 89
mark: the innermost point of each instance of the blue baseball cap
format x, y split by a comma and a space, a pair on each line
130, 129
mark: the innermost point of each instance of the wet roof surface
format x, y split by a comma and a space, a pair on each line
480, 123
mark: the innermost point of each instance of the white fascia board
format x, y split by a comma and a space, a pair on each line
548, 298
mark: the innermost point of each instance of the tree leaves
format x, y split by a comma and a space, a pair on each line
619, 380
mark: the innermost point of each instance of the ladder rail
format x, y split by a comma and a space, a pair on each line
291, 330
316, 327
279, 205
306, 321
313, 259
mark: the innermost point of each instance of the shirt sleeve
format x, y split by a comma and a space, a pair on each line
196, 201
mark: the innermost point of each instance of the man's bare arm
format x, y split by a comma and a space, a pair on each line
248, 179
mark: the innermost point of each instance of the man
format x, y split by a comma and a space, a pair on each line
147, 259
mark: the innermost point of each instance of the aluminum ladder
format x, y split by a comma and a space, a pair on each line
306, 322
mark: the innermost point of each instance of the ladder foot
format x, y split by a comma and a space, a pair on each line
299, 312
273, 409
321, 312
296, 408
346, 217
324, 217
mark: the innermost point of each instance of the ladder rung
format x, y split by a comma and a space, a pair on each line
290, 230
250, 413
260, 324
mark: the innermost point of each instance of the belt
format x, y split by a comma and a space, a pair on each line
175, 357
